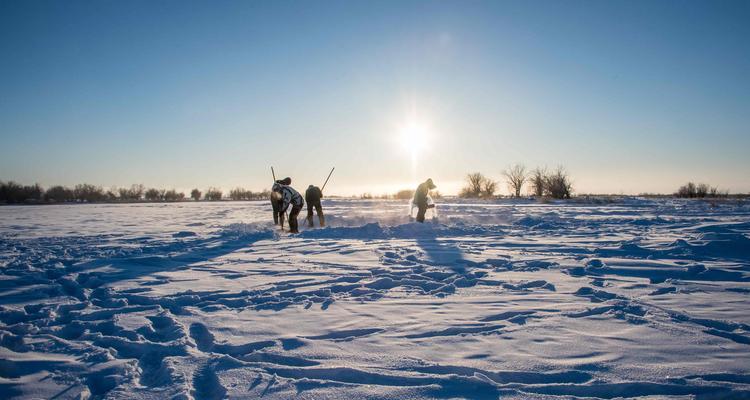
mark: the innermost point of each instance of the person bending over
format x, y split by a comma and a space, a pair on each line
289, 196
420, 198
276, 202
313, 194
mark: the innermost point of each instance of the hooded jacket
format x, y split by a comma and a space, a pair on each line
420, 195
288, 196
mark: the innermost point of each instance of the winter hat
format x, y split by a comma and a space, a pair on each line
286, 181
430, 184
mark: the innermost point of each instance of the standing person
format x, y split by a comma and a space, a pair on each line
420, 198
313, 194
276, 203
289, 196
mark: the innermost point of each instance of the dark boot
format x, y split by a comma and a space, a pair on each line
322, 220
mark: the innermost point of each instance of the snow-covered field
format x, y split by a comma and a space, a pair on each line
509, 299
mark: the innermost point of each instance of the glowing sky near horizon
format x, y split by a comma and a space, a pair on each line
630, 96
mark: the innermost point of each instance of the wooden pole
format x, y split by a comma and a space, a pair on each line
329, 177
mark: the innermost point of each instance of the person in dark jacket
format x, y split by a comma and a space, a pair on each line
313, 194
420, 198
289, 196
276, 203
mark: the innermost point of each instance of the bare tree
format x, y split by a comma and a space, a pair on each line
687, 190
701, 190
515, 176
537, 179
473, 186
137, 191
133, 194
124, 194
173, 195
154, 195
59, 194
112, 194
238, 194
213, 194
488, 188
478, 185
195, 194
557, 185
88, 193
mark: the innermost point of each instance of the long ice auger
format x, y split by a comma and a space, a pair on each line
329, 177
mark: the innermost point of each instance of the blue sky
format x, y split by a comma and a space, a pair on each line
630, 96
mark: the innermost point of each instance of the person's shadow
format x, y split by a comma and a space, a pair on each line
441, 252
171, 257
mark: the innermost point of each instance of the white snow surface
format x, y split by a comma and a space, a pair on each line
508, 299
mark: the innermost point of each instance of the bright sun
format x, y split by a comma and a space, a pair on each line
414, 137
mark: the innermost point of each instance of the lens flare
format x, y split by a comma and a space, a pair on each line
414, 138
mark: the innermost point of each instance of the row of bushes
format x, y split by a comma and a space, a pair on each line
244, 194
541, 182
478, 185
163, 195
701, 190
556, 184
14, 193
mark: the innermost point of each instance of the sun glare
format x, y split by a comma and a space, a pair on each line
414, 137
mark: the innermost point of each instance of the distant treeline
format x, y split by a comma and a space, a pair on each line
14, 193
556, 184
541, 183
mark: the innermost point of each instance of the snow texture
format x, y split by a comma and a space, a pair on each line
519, 300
